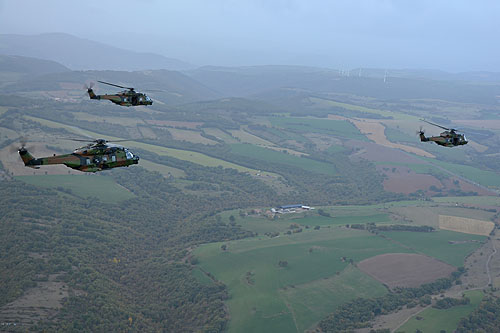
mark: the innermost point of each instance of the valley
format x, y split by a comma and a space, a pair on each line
186, 240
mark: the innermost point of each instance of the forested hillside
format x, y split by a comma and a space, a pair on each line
187, 240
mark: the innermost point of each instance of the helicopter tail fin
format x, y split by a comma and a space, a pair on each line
91, 93
27, 158
422, 137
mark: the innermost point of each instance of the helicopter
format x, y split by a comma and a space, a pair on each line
127, 97
96, 156
448, 138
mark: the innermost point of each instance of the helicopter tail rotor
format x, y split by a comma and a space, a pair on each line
420, 131
91, 93
23, 151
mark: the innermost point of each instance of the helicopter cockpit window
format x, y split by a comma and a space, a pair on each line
104, 158
147, 98
113, 158
129, 155
125, 99
88, 161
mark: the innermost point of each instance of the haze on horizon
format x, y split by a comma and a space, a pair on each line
448, 35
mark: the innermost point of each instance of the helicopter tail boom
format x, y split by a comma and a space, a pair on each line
28, 159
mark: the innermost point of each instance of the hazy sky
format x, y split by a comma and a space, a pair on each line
453, 35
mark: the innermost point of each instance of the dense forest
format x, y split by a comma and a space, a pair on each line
484, 319
127, 259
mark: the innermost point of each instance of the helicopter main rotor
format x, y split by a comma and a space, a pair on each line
452, 130
116, 85
97, 142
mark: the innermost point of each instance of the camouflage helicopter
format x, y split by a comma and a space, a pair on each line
448, 138
96, 156
128, 97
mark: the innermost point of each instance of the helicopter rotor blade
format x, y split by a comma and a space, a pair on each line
445, 128
116, 85
78, 140
95, 140
153, 90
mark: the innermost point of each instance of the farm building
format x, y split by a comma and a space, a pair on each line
293, 206
290, 208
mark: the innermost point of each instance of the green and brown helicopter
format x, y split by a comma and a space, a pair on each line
127, 97
96, 156
448, 138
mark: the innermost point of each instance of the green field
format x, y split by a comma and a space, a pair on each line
436, 244
220, 134
262, 224
202, 277
395, 115
286, 135
340, 128
102, 187
483, 177
260, 299
310, 302
165, 170
395, 135
417, 168
434, 320
246, 137
267, 297
335, 149
475, 200
273, 156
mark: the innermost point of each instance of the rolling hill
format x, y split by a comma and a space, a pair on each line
80, 54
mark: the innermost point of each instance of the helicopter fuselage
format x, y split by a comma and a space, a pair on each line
446, 139
124, 98
91, 158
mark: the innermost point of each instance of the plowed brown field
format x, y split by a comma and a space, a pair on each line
405, 269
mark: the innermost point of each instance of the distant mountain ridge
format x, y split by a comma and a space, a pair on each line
82, 54
28, 65
280, 83
434, 74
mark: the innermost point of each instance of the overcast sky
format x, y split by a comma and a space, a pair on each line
453, 35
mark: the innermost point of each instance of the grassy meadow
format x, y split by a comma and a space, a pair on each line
101, 187
265, 296
260, 299
279, 157
436, 244
341, 128
471, 200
